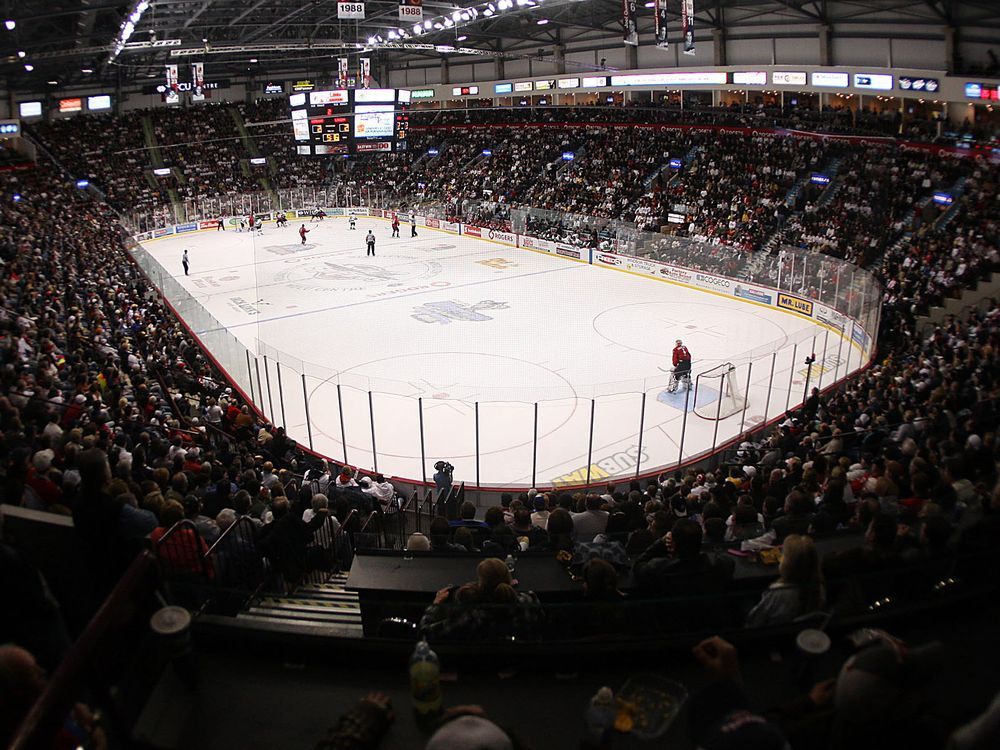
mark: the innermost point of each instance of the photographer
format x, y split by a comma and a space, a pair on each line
443, 472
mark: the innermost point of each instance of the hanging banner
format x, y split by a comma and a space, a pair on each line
197, 77
366, 72
411, 10
342, 73
661, 24
172, 77
350, 11
630, 21
687, 25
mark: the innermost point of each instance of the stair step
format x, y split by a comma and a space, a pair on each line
318, 604
345, 629
294, 614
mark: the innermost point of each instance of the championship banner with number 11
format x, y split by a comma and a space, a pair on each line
350, 11
411, 10
687, 25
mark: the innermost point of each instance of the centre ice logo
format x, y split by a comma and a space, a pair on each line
311, 274
289, 249
447, 311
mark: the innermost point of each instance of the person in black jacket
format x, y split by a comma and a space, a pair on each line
284, 540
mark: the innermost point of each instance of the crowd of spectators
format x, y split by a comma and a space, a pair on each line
111, 413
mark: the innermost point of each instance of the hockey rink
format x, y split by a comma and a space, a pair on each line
465, 336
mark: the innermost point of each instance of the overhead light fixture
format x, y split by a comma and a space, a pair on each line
253, 59
128, 27
21, 53
86, 70
53, 83
461, 38
542, 21
10, 24
29, 67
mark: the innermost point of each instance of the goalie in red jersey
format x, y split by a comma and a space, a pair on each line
682, 366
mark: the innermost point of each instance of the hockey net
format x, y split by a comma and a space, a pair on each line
728, 397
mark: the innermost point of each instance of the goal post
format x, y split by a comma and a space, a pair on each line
727, 396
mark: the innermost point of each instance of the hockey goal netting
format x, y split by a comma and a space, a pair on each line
727, 394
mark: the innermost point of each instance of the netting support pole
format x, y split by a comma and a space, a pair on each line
791, 375
684, 421
534, 448
260, 390
746, 398
718, 409
423, 454
305, 402
770, 386
590, 440
249, 371
477, 445
281, 395
642, 425
809, 369
267, 379
371, 417
343, 432
822, 366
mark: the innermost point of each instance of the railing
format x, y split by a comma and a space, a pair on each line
99, 657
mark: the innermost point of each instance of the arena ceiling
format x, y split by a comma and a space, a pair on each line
56, 43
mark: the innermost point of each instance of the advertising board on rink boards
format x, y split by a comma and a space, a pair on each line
535, 243
795, 304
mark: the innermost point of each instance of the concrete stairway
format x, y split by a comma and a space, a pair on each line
327, 605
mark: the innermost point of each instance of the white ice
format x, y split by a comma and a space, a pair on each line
435, 324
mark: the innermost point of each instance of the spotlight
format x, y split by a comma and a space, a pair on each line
10, 24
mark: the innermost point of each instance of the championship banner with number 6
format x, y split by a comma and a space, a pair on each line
411, 10
351, 11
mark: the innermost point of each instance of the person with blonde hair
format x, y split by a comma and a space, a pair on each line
799, 588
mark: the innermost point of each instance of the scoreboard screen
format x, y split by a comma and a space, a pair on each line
343, 122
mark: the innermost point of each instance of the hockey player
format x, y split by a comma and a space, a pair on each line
184, 262
303, 232
281, 220
353, 222
250, 221
370, 241
395, 225
413, 225
682, 366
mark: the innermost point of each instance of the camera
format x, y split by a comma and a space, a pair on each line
444, 466
810, 359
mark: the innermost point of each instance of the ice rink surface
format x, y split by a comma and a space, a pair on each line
435, 324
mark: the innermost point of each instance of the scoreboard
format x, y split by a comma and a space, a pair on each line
349, 121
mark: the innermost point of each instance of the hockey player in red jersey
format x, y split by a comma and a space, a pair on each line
682, 366
303, 232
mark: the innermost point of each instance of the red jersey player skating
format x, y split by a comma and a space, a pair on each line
303, 232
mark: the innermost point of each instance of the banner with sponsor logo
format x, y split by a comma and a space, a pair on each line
830, 317
568, 251
212, 224
630, 20
163, 231
432, 222
660, 24
687, 25
470, 231
411, 10
712, 283
450, 226
795, 304
342, 63
534, 243
753, 294
366, 72
350, 11
504, 238
189, 227
860, 337
608, 259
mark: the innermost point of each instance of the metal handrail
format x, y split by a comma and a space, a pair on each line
242, 520
367, 521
